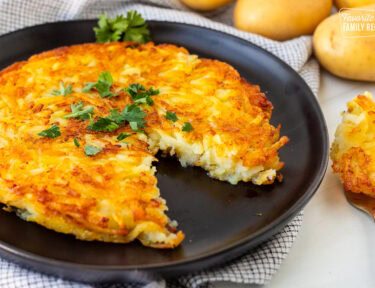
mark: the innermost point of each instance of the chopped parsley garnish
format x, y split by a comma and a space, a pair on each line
63, 91
122, 136
187, 127
80, 112
75, 140
130, 28
52, 132
92, 150
140, 95
134, 115
116, 117
103, 124
103, 85
131, 113
171, 116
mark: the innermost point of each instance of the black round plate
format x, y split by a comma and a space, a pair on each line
220, 220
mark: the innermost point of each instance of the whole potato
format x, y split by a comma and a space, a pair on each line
352, 3
280, 19
205, 5
351, 58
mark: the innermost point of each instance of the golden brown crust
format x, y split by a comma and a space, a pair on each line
112, 196
353, 151
353, 168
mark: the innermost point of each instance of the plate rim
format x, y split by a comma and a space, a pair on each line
251, 240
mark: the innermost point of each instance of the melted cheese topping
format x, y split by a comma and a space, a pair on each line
112, 196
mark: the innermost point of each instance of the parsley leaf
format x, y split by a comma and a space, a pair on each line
187, 127
116, 117
131, 28
135, 125
137, 30
63, 91
122, 136
88, 87
171, 116
134, 115
140, 95
104, 124
92, 150
133, 89
52, 132
103, 85
109, 30
75, 140
80, 113
131, 113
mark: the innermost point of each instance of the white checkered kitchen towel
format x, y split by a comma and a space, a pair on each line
256, 267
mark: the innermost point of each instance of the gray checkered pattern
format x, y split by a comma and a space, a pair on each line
258, 265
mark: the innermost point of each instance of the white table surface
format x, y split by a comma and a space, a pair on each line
335, 245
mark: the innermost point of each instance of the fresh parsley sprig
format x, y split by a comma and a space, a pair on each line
134, 115
104, 124
63, 90
79, 112
103, 85
140, 95
131, 114
130, 28
52, 132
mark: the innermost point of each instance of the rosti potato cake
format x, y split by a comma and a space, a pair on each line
353, 150
80, 125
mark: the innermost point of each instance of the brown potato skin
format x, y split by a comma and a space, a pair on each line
350, 58
280, 19
205, 5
